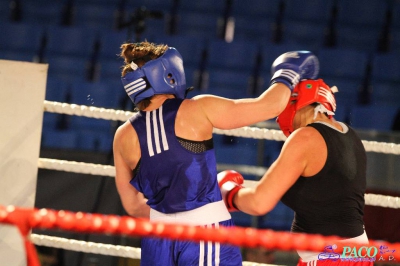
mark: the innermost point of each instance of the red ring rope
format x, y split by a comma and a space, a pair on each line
25, 219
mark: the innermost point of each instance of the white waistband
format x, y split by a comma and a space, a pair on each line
208, 214
307, 256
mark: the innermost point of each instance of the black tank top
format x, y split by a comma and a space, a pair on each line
332, 201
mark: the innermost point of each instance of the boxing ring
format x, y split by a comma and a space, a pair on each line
26, 219
97, 223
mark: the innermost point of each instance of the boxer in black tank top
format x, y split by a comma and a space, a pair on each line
320, 173
336, 193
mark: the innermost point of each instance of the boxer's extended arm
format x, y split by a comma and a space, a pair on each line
288, 69
303, 154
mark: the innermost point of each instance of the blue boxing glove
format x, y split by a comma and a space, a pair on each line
291, 67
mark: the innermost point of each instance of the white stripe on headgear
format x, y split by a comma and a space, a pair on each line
321, 109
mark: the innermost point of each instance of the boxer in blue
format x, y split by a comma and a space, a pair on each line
164, 157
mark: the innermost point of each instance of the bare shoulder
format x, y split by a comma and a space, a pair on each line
305, 149
192, 121
124, 133
307, 131
303, 141
199, 99
126, 146
206, 99
194, 107
209, 103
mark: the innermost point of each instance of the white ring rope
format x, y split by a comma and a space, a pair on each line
105, 170
108, 170
382, 201
98, 248
88, 247
77, 167
249, 132
87, 111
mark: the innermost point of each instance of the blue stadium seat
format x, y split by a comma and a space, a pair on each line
395, 41
204, 6
95, 16
190, 47
226, 75
342, 63
308, 34
232, 55
192, 75
342, 113
385, 93
377, 117
70, 41
253, 29
57, 91
255, 8
386, 67
109, 3
358, 38
21, 38
272, 149
396, 15
239, 151
42, 13
348, 90
159, 5
203, 25
67, 68
97, 141
154, 12
116, 92
98, 94
5, 11
234, 81
59, 139
369, 13
109, 69
108, 65
110, 43
19, 56
129, 6
311, 11
271, 51
155, 27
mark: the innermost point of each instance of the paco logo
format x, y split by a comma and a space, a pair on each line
362, 253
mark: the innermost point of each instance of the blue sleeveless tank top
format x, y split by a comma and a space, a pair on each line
172, 178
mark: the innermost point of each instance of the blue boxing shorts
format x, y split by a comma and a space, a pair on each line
165, 252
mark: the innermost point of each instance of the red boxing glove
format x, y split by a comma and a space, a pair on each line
230, 182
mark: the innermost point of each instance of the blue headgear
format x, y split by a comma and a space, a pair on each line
163, 75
